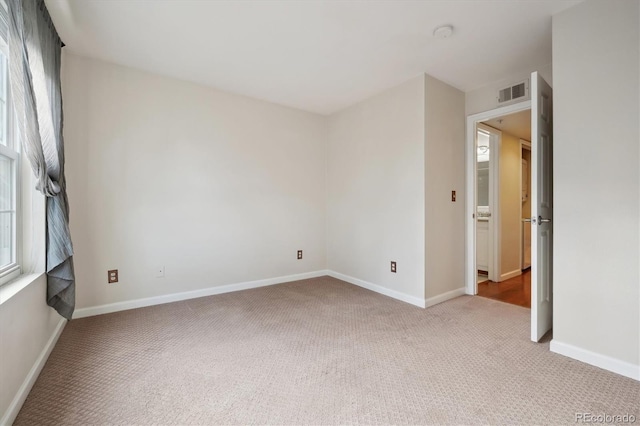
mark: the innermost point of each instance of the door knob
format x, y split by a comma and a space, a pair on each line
541, 220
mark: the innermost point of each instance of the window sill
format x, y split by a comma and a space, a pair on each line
10, 289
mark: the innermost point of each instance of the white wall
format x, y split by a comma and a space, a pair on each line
375, 175
596, 181
217, 188
28, 324
444, 172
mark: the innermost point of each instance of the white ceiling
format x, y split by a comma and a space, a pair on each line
517, 124
319, 56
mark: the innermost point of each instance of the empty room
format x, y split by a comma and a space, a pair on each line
292, 212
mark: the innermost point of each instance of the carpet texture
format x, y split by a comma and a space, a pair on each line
317, 351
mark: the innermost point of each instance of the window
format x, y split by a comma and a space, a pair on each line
9, 179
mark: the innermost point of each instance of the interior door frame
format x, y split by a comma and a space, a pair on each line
495, 237
524, 145
471, 271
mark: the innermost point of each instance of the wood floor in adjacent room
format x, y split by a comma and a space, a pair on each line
318, 351
516, 290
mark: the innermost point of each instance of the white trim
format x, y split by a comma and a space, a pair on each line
495, 146
598, 360
16, 404
471, 273
521, 237
9, 152
7, 291
10, 273
379, 289
444, 297
524, 145
12, 151
495, 221
176, 297
511, 274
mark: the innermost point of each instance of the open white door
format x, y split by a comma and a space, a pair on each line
541, 207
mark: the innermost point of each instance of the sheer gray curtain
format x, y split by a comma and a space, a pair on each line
34, 63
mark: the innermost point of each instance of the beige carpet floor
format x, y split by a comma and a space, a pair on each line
318, 351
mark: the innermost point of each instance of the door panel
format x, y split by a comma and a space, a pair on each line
541, 207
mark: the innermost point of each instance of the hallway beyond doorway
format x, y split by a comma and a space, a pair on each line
516, 290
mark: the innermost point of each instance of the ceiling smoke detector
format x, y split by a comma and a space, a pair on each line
444, 31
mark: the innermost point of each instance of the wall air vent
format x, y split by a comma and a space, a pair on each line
513, 93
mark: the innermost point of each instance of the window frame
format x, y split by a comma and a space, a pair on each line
12, 151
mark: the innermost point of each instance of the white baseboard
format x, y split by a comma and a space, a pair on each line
598, 360
511, 274
378, 289
16, 404
444, 297
176, 297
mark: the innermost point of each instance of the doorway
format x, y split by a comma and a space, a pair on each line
503, 242
541, 193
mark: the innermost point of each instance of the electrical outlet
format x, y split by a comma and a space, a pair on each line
453, 196
299, 254
112, 276
393, 267
159, 271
